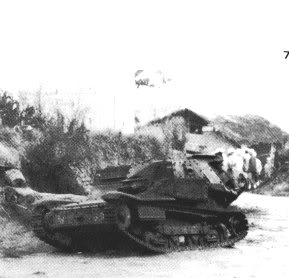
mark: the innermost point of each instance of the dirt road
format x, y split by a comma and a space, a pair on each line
264, 253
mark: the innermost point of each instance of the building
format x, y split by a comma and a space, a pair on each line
198, 134
195, 131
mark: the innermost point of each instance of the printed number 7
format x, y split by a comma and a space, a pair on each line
287, 54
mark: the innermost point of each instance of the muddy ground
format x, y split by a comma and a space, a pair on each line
263, 253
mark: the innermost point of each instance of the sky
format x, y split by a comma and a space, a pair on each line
223, 57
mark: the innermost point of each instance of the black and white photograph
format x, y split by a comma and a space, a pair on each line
144, 138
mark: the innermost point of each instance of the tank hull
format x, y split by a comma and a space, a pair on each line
154, 226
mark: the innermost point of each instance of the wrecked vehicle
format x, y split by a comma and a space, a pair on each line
10, 173
21, 201
160, 206
11, 176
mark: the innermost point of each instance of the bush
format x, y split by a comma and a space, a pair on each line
52, 164
114, 149
61, 156
47, 163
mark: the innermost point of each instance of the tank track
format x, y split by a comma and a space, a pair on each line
174, 246
218, 225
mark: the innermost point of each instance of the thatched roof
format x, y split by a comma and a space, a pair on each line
249, 129
187, 114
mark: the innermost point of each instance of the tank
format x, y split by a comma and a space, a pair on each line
159, 206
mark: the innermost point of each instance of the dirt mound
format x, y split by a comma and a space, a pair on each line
278, 185
17, 239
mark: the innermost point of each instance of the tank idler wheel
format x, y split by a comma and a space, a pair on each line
123, 216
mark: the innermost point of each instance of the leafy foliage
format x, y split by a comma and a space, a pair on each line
116, 149
61, 145
11, 114
33, 117
9, 110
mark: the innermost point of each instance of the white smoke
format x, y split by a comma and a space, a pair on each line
155, 78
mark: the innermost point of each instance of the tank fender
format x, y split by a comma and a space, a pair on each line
116, 196
49, 204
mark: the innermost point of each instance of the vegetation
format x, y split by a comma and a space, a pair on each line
11, 114
110, 148
60, 155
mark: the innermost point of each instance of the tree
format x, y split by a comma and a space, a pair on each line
11, 114
33, 117
9, 111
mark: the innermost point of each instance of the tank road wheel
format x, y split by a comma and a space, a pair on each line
193, 241
123, 216
174, 242
156, 239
